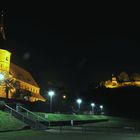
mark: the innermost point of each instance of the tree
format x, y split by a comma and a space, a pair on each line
135, 77
108, 82
16, 94
123, 77
10, 86
7, 87
102, 83
0, 82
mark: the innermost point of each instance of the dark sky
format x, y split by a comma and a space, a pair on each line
71, 47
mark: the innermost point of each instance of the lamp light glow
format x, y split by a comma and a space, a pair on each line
92, 104
51, 93
101, 106
1, 76
64, 96
79, 101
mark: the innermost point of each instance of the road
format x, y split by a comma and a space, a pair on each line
42, 135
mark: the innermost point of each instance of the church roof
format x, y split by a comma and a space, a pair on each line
21, 74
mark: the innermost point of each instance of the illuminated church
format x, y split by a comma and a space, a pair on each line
15, 74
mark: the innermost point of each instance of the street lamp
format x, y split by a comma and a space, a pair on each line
92, 105
101, 107
79, 101
51, 94
64, 96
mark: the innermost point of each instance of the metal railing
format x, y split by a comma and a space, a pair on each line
33, 123
34, 116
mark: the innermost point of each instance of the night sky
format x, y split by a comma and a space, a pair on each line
72, 47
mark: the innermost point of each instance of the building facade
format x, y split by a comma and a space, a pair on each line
15, 74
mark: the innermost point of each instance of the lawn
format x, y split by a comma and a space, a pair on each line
65, 117
8, 122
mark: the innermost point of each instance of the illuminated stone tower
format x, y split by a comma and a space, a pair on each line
4, 60
4, 54
114, 81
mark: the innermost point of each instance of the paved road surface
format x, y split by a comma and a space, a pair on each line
37, 135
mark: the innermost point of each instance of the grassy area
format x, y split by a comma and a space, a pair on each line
65, 117
8, 122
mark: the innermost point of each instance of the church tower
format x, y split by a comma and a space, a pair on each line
4, 54
10, 71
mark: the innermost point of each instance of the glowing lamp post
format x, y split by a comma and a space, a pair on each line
92, 106
79, 101
64, 96
51, 94
101, 107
